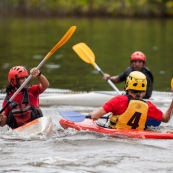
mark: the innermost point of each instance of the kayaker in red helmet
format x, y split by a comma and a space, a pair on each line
130, 111
25, 106
137, 63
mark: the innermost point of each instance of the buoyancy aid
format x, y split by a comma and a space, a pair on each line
22, 113
134, 117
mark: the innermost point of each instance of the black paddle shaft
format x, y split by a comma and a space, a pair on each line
4, 107
101, 72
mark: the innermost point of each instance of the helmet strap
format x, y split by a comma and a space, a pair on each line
136, 94
17, 83
137, 97
12, 82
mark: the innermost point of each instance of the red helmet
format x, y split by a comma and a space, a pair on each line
16, 73
138, 56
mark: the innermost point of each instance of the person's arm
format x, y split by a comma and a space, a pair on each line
114, 79
44, 83
95, 115
167, 115
119, 78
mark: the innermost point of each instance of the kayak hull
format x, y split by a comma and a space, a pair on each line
97, 98
90, 125
81, 99
76, 98
41, 126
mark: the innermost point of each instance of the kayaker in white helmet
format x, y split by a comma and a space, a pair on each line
130, 111
137, 63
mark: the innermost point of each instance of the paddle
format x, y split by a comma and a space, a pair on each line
86, 54
77, 117
64, 39
172, 83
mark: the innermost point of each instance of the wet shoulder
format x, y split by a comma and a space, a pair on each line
120, 98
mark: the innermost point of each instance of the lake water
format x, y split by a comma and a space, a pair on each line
26, 42
70, 151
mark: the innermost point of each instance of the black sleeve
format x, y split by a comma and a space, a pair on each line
150, 80
124, 75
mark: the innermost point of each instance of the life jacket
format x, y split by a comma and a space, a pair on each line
22, 113
134, 117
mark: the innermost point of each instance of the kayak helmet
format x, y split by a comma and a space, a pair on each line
15, 74
138, 56
136, 81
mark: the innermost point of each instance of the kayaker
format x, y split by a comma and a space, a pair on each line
137, 63
130, 111
25, 106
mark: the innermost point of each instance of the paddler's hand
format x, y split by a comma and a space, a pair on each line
3, 120
35, 72
106, 76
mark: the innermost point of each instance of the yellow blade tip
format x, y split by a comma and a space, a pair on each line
172, 83
74, 27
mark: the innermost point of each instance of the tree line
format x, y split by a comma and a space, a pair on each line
87, 8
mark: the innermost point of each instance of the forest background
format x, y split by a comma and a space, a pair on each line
88, 8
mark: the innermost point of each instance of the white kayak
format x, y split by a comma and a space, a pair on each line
97, 98
49, 91
53, 96
41, 126
83, 99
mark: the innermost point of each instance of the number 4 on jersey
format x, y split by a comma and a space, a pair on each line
134, 120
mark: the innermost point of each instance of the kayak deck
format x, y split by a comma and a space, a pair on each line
41, 126
91, 125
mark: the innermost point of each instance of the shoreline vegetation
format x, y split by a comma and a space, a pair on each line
88, 8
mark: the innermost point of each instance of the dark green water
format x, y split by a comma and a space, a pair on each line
26, 41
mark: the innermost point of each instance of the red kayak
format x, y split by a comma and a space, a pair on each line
92, 126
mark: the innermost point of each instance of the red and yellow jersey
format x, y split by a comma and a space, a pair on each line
134, 117
119, 104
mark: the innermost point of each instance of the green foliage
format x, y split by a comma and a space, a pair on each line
114, 8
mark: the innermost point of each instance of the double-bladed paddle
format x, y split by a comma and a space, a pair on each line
86, 54
64, 39
73, 116
172, 83
77, 117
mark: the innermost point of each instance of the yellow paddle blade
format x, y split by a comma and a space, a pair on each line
85, 53
172, 83
64, 39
